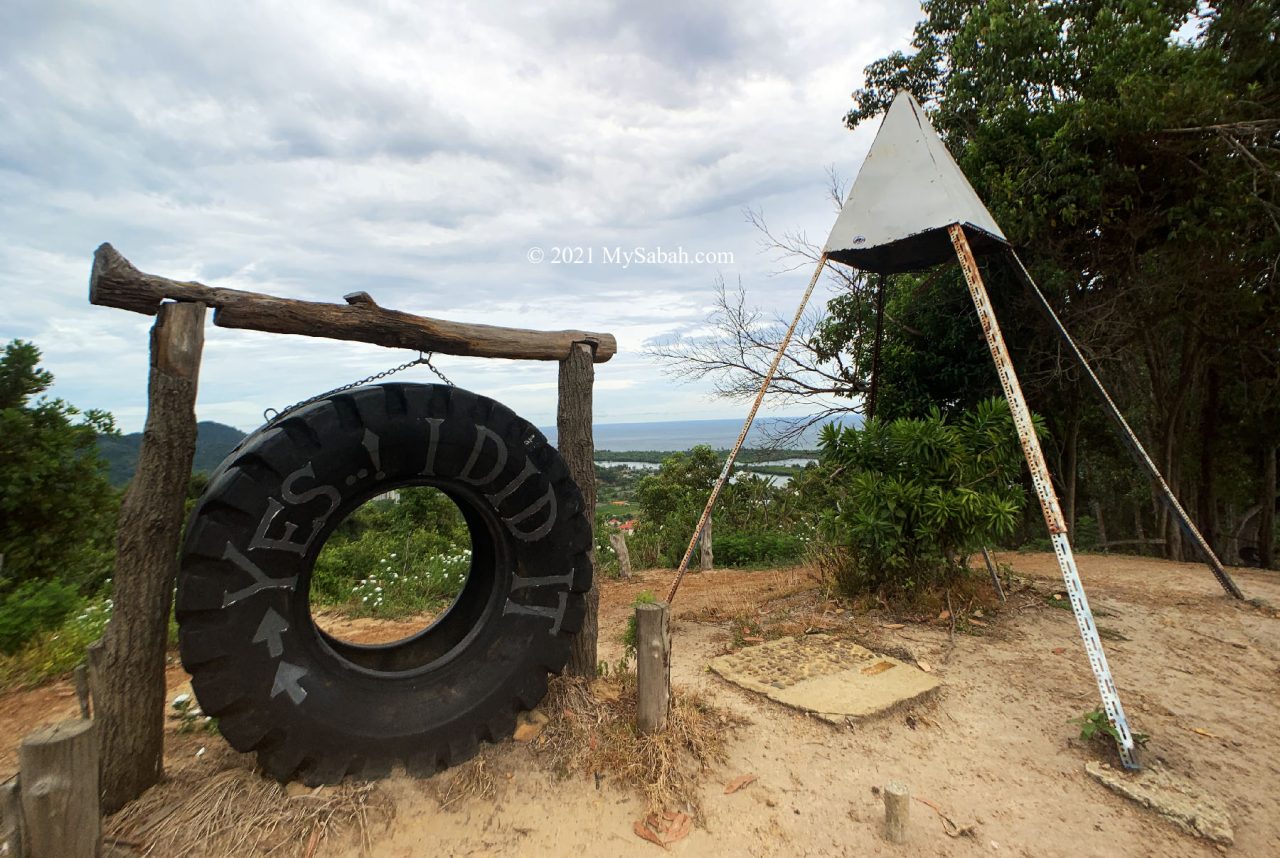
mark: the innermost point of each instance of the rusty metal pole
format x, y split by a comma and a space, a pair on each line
1044, 492
742, 436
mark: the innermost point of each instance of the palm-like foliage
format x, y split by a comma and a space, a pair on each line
908, 500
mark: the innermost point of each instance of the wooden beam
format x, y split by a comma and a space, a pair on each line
127, 672
116, 283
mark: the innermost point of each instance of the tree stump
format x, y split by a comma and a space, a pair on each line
653, 667
897, 812
59, 791
127, 671
577, 448
619, 543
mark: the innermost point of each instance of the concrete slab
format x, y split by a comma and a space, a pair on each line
1172, 796
834, 679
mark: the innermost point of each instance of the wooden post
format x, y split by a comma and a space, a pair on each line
10, 820
653, 667
706, 560
127, 674
81, 677
619, 543
897, 812
59, 790
577, 448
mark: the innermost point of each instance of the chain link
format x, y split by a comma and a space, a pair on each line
271, 415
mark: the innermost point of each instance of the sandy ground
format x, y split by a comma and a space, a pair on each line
995, 751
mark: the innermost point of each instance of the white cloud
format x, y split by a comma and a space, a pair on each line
416, 151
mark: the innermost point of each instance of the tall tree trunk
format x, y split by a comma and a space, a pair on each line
127, 666
1267, 515
1207, 494
1070, 456
577, 447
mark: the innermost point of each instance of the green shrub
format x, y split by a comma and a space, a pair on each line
55, 652
31, 608
393, 558
757, 549
907, 501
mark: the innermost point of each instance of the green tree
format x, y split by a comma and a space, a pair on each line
754, 521
1139, 170
57, 510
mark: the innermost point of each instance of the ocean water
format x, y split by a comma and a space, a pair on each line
684, 434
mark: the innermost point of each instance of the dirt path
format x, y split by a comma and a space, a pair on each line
994, 751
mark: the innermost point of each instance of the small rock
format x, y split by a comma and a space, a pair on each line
529, 725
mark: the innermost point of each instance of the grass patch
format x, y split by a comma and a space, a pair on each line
1061, 601
593, 731
55, 653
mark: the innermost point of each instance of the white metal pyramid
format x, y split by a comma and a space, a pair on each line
907, 193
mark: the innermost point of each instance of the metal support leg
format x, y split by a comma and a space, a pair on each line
1044, 491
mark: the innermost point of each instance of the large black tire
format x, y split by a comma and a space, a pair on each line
318, 708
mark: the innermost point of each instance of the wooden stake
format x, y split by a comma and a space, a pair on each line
127, 672
653, 667
116, 283
577, 448
59, 789
897, 812
619, 543
706, 558
991, 567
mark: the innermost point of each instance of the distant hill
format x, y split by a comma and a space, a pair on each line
213, 442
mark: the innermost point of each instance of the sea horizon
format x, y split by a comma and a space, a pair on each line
678, 435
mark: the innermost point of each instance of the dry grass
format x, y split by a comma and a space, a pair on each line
592, 731
223, 806
472, 779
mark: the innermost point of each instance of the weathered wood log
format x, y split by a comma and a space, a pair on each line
897, 812
58, 768
653, 667
116, 283
10, 820
619, 543
706, 559
127, 673
578, 449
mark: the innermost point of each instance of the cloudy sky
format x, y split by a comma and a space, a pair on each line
417, 151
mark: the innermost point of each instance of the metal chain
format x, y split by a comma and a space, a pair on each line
271, 415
